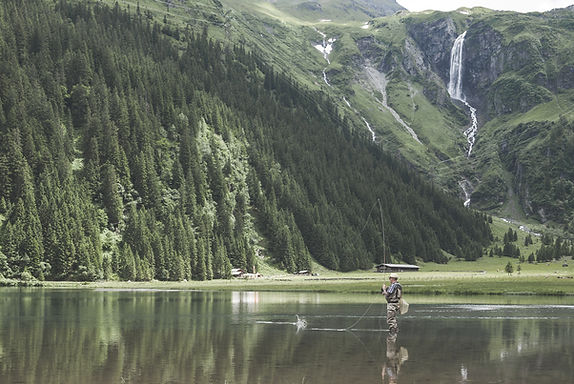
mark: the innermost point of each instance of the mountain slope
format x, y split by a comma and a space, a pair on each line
390, 77
138, 150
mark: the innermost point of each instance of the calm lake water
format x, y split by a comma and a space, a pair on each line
123, 336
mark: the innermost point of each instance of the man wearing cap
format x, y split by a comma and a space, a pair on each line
393, 295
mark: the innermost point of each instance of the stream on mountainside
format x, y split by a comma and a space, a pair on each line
159, 336
325, 48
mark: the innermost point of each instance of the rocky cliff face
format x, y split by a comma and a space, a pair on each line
435, 39
483, 61
499, 75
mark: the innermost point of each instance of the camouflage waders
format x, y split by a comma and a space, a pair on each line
393, 309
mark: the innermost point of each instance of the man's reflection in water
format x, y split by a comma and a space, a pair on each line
396, 356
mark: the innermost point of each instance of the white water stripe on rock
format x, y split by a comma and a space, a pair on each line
325, 77
347, 102
374, 137
470, 132
467, 189
455, 91
326, 48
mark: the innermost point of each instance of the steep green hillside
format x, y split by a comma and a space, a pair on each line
136, 149
390, 76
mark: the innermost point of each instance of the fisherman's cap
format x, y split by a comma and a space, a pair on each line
394, 276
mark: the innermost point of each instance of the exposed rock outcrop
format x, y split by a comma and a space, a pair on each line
435, 39
483, 61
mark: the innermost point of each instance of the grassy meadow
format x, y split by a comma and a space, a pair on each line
483, 277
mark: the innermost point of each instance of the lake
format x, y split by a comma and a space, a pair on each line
153, 336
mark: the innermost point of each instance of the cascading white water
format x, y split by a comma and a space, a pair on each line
455, 78
455, 89
455, 92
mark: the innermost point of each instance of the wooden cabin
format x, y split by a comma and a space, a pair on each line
237, 272
386, 267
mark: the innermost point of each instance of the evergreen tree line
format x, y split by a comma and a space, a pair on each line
554, 249
126, 153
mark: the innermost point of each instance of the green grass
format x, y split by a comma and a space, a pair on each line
435, 283
483, 277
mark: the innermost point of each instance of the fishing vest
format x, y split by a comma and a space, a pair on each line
395, 297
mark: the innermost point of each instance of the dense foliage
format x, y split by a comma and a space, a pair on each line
128, 154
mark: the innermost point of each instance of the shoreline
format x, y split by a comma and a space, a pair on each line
414, 283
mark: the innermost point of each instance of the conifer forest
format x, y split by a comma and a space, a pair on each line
134, 151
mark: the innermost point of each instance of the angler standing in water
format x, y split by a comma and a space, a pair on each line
393, 294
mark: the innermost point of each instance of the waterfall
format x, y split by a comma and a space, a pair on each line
455, 92
455, 89
455, 78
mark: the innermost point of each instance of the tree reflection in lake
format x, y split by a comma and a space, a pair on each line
88, 337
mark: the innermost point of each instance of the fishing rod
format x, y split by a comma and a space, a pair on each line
383, 230
384, 255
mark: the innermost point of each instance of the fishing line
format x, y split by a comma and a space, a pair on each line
364, 346
360, 318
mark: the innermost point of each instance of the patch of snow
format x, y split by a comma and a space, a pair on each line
326, 48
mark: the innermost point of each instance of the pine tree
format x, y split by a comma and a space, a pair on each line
127, 264
110, 195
